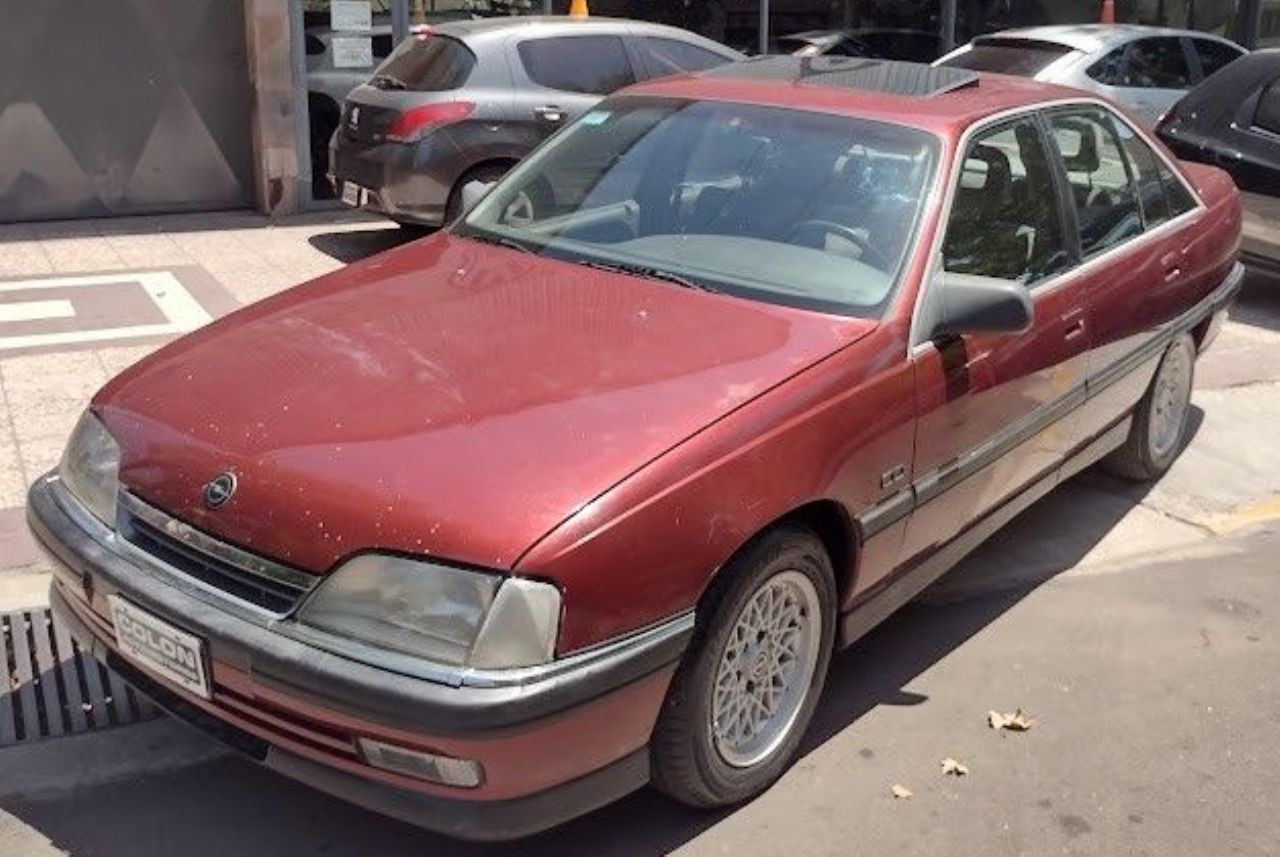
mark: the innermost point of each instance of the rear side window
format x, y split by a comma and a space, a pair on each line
1110, 70
1151, 190
1180, 199
1267, 114
1100, 178
669, 56
431, 64
1213, 55
1158, 63
592, 64
1009, 56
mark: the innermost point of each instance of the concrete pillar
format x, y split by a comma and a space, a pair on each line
276, 176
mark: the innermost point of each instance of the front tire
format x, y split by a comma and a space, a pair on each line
1159, 426
746, 690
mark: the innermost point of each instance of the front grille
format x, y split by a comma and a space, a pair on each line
253, 579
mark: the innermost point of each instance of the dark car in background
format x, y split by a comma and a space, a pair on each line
1232, 121
885, 43
464, 101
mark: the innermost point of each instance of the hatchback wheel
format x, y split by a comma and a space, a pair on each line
746, 690
1160, 420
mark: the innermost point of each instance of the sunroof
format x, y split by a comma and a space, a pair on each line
899, 78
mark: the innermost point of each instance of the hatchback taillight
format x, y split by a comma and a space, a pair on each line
414, 123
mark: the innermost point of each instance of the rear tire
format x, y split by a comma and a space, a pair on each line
487, 173
746, 690
1159, 427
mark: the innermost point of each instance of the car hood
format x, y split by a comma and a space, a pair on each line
446, 398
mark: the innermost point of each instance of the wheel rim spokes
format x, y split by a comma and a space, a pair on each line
765, 669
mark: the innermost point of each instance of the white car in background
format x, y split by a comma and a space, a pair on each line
1146, 69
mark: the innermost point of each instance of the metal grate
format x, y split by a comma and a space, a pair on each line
51, 687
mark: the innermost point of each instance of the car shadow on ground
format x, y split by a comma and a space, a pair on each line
1259, 301
353, 245
230, 806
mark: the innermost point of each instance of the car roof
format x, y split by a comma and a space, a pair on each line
903, 93
508, 23
1091, 38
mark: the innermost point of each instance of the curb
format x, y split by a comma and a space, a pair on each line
50, 768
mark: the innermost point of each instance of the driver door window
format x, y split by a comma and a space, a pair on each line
1005, 220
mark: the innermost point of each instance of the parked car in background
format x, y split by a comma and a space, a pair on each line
898, 44
1145, 69
582, 492
462, 102
1232, 121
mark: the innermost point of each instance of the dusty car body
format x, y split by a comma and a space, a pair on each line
1146, 69
625, 462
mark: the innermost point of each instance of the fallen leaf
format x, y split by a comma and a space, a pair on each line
951, 766
1018, 721
901, 792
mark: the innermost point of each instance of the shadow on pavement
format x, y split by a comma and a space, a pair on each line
352, 246
232, 807
1259, 301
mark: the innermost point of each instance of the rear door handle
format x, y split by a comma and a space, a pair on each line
1074, 322
549, 113
1171, 263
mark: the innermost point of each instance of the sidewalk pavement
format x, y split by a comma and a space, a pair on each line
82, 300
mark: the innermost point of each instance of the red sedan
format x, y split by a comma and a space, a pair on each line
581, 493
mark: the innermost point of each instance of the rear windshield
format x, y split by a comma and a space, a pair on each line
431, 63
1008, 56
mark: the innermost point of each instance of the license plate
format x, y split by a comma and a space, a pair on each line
352, 194
160, 648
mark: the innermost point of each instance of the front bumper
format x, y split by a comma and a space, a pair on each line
552, 747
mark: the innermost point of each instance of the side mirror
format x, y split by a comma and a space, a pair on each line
969, 303
472, 193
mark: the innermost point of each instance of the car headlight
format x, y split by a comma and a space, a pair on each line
90, 468
444, 614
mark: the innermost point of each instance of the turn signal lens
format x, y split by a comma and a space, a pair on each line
446, 770
417, 122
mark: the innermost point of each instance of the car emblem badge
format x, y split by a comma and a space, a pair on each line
219, 490
355, 117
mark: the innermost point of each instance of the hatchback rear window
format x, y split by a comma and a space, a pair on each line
1009, 56
432, 64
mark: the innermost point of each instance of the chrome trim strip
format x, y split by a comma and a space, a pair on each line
937, 481
147, 564
216, 549
914, 345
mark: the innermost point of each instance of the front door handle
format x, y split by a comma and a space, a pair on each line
549, 113
1073, 324
1171, 264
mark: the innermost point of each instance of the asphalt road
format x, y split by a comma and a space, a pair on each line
1152, 687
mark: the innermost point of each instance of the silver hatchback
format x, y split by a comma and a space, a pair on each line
1146, 69
462, 102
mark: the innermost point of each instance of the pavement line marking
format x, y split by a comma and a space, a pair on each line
181, 310
36, 310
1259, 512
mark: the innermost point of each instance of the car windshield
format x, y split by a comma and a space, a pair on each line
773, 204
1024, 57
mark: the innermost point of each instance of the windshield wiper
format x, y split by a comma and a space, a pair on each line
647, 272
386, 81
499, 240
